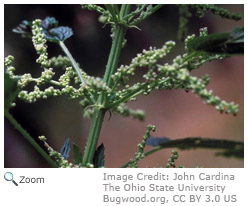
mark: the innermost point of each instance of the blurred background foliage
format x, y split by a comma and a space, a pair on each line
176, 114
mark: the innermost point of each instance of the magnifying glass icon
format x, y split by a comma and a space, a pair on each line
8, 176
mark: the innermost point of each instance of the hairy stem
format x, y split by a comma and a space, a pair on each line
102, 100
27, 136
93, 136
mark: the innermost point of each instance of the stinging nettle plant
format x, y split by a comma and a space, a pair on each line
111, 93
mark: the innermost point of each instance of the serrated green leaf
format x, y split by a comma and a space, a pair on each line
99, 156
77, 154
59, 34
10, 90
50, 28
54, 33
49, 23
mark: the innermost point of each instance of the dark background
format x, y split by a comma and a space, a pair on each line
176, 114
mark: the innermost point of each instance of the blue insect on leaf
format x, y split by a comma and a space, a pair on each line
156, 141
65, 150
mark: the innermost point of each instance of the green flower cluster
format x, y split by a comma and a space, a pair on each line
67, 84
164, 77
195, 60
33, 96
39, 42
125, 111
142, 12
201, 9
8, 64
171, 160
60, 62
158, 77
150, 57
66, 78
183, 80
59, 159
114, 91
139, 155
62, 84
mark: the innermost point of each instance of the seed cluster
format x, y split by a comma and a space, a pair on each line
198, 86
39, 42
139, 155
60, 62
8, 64
201, 9
171, 160
125, 111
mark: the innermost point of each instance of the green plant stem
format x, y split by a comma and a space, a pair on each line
116, 48
112, 11
114, 53
93, 136
29, 138
102, 100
